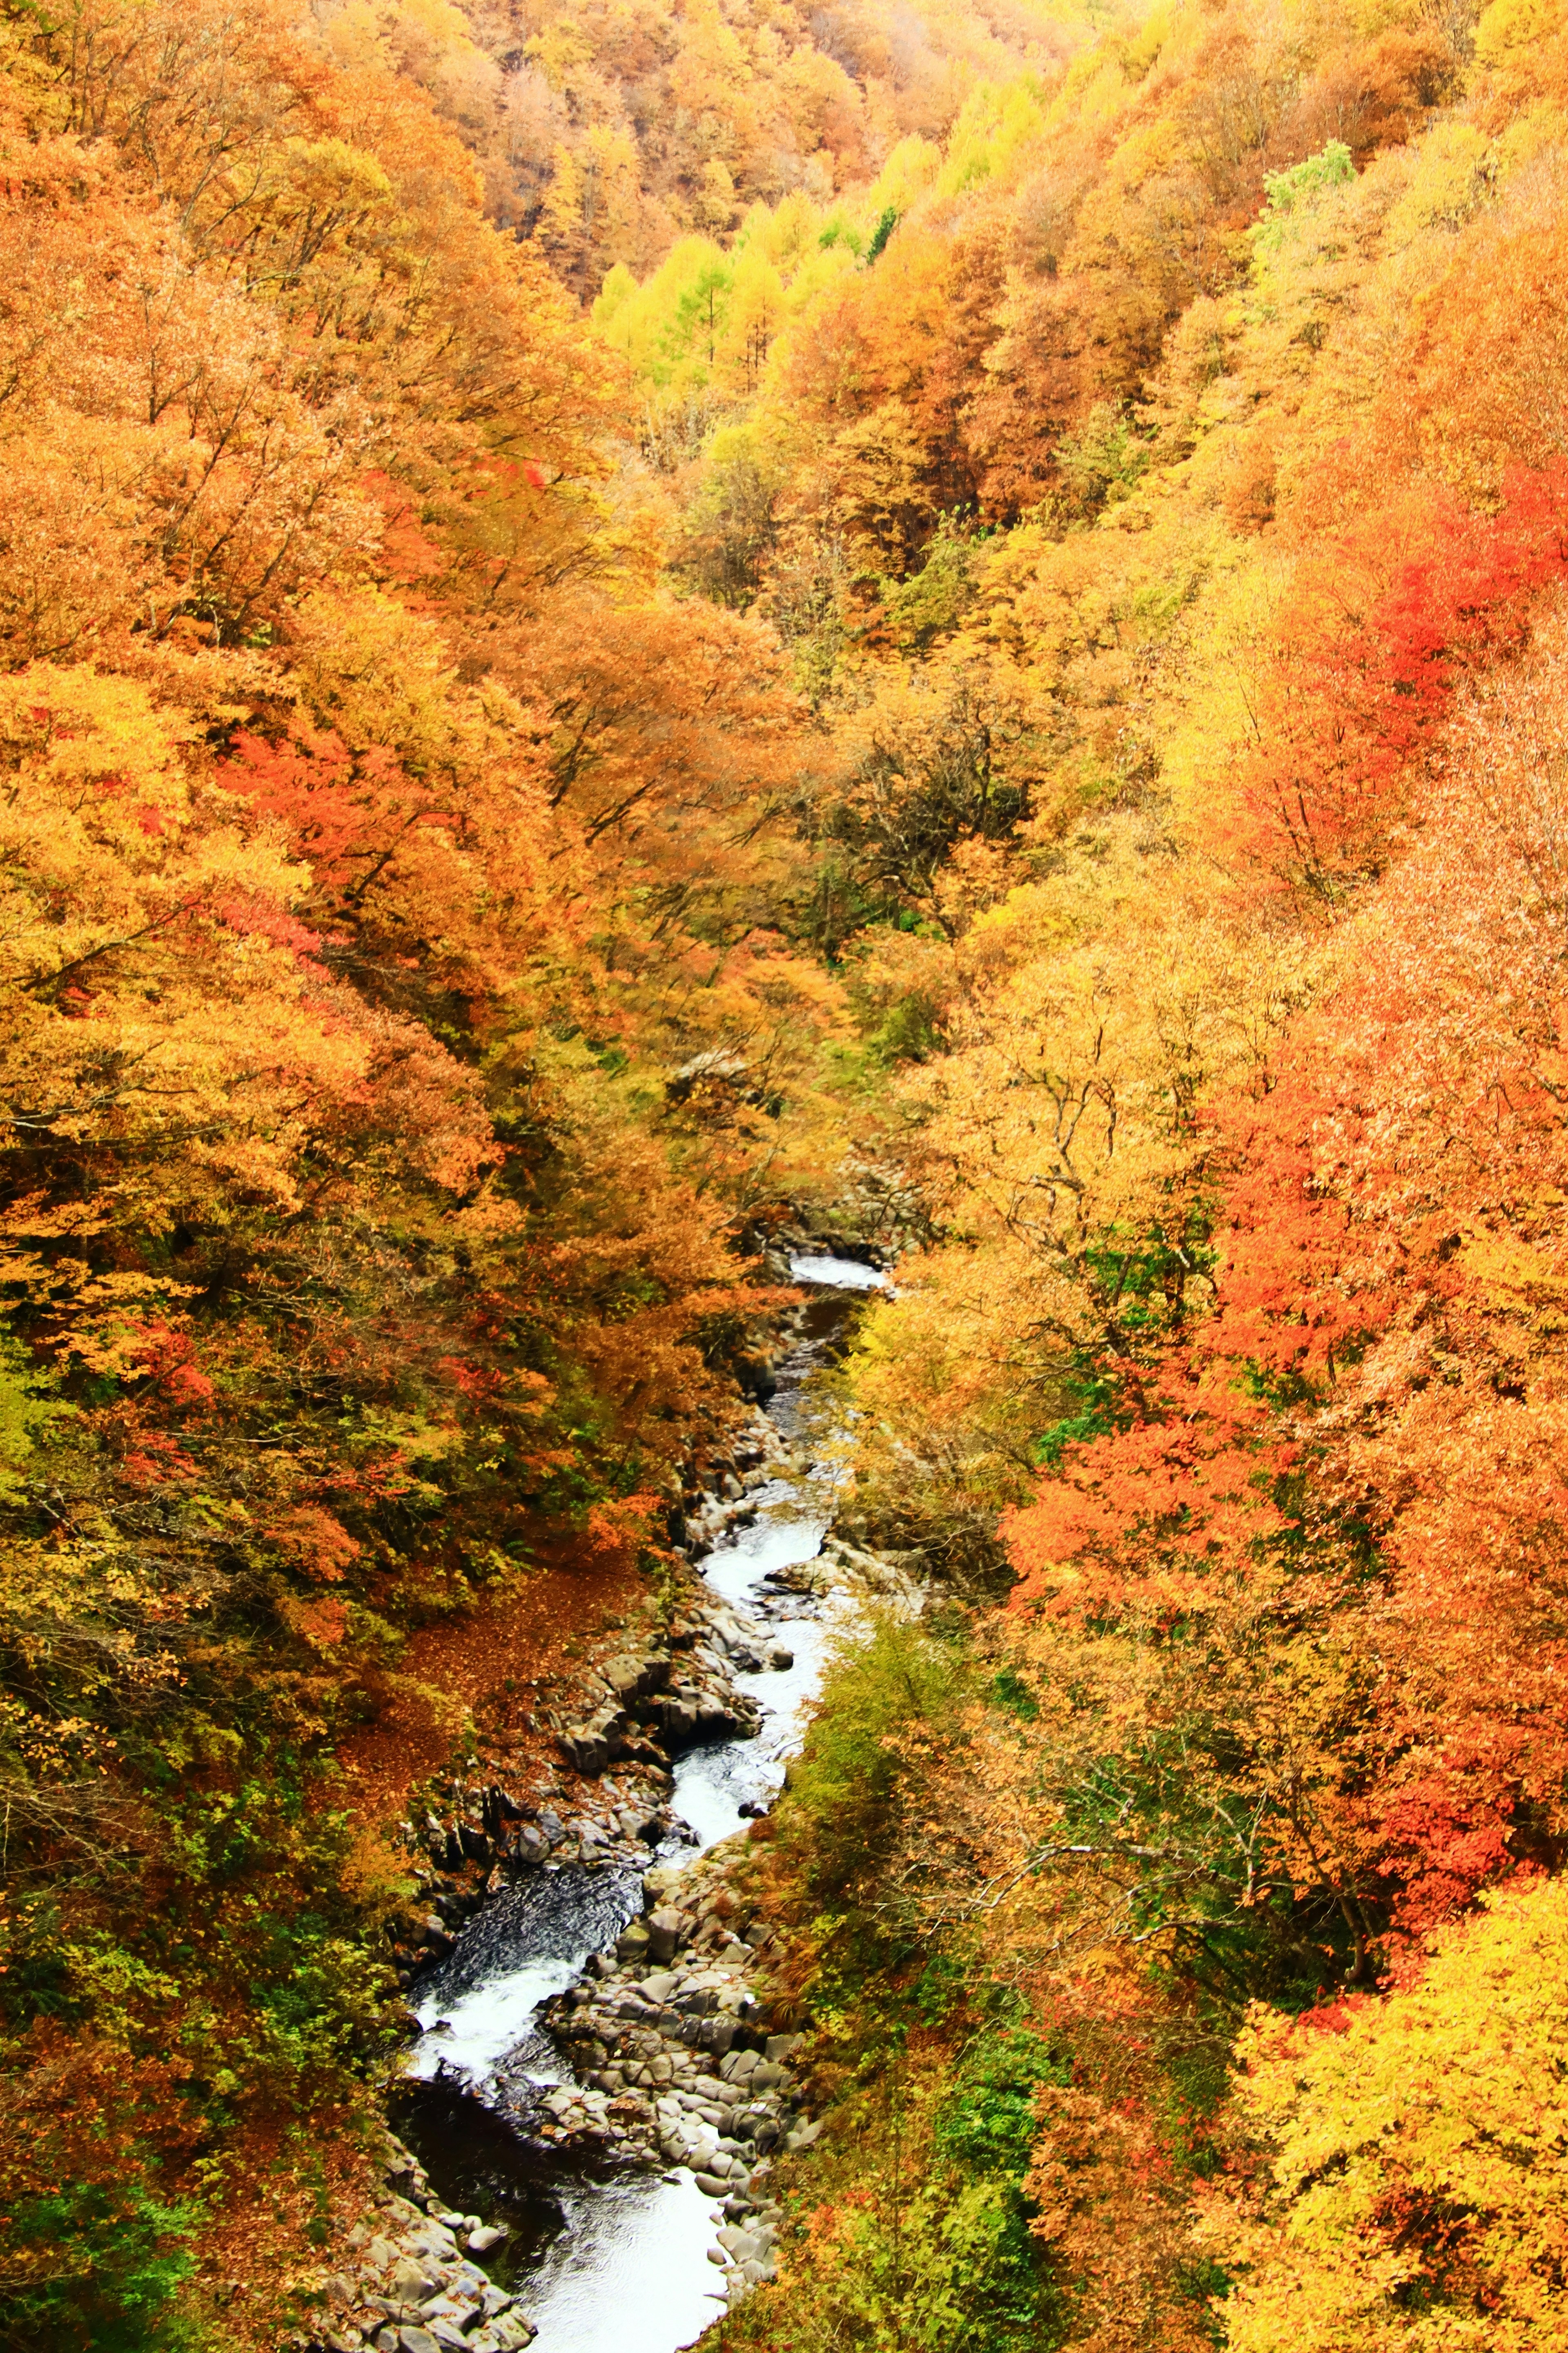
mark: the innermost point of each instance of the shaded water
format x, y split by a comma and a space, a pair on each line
610, 2260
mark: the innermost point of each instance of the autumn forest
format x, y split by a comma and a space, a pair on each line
638, 630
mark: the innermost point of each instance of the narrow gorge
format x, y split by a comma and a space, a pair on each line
594, 2077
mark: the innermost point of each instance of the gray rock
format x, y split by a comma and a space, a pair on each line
342, 2290
489, 2237
585, 1748
512, 2331
710, 2185
664, 1927
417, 2340
458, 2309
433, 2251
412, 2281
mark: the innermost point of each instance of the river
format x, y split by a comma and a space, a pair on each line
607, 2259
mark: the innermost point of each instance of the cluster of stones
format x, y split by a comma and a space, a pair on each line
414, 2281
656, 1701
675, 2065
718, 1473
893, 1575
667, 1697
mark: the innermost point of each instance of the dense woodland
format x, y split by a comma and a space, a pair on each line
620, 619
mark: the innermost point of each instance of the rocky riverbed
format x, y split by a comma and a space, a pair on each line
593, 1990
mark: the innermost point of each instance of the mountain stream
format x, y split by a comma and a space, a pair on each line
603, 2258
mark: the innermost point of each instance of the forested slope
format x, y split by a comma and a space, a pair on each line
1000, 574
378, 838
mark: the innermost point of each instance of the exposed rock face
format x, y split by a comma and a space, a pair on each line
660, 1704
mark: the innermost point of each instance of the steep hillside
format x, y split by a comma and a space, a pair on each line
380, 840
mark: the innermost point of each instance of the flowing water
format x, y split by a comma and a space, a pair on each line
607, 2260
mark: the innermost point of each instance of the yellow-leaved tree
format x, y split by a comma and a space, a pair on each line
1419, 2193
